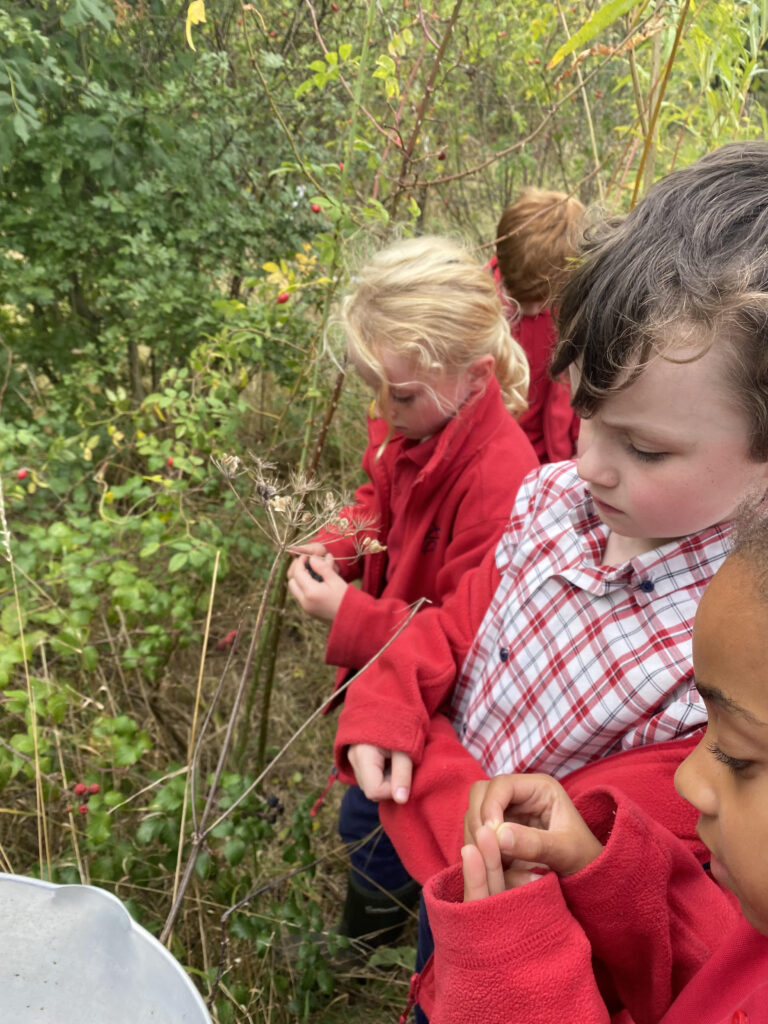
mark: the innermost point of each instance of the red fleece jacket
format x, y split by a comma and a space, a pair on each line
454, 512
642, 933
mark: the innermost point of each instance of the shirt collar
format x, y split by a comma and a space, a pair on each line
652, 574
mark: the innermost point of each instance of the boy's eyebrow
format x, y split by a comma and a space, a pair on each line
637, 425
715, 696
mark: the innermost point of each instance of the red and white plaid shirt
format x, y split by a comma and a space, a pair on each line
574, 659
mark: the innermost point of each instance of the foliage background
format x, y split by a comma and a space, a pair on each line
175, 227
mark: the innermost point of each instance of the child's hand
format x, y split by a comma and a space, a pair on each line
535, 822
484, 871
381, 774
315, 583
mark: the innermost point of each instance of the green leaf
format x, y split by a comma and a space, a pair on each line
178, 561
203, 865
234, 851
604, 16
9, 619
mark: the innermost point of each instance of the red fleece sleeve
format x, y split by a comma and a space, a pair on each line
390, 702
516, 958
644, 909
652, 915
428, 830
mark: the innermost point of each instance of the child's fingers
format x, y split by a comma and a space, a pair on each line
401, 776
310, 568
488, 844
473, 869
312, 548
368, 765
473, 819
515, 877
528, 844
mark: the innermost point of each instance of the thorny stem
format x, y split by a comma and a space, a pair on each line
270, 653
426, 99
270, 639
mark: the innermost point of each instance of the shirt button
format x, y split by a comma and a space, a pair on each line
464, 728
647, 586
504, 653
739, 1018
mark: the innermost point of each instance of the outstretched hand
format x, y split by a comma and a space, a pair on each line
534, 822
381, 774
314, 581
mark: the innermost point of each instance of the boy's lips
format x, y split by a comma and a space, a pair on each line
717, 869
603, 506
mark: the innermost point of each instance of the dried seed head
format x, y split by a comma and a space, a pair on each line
266, 492
227, 465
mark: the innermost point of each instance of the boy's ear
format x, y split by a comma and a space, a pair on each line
481, 371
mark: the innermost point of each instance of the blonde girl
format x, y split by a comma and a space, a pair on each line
426, 331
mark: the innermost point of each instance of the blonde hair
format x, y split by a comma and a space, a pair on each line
538, 237
430, 302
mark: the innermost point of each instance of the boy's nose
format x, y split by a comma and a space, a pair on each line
593, 459
692, 780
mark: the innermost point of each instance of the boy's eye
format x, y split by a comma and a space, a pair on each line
735, 764
643, 456
402, 399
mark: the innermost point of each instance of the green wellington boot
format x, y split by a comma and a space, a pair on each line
374, 916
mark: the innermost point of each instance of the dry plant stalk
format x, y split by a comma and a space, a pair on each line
286, 519
44, 851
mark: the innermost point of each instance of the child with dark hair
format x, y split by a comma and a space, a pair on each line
536, 241
573, 639
625, 921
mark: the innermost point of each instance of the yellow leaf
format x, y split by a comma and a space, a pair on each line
271, 268
195, 14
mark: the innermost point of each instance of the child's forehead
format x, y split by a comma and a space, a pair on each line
729, 644
670, 365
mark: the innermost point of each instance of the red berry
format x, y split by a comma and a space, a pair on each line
316, 208
227, 641
341, 165
21, 475
502, 34
194, 113
94, 788
283, 297
80, 788
334, 7
441, 155
272, 34
82, 809
169, 461
239, 21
